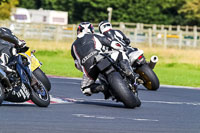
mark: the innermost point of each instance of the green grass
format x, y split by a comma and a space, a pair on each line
60, 63
178, 74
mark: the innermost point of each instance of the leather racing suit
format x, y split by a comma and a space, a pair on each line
83, 50
8, 43
120, 37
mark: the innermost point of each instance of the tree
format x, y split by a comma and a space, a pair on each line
6, 8
176, 12
30, 4
191, 11
138, 11
96, 11
153, 11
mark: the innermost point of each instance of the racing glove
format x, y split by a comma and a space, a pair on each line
21, 43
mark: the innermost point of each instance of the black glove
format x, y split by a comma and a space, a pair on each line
21, 43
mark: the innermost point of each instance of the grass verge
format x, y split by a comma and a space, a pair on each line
58, 63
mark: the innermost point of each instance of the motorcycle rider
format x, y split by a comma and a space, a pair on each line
8, 44
105, 28
84, 50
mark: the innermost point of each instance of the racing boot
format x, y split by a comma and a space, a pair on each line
102, 88
125, 66
128, 70
96, 88
93, 88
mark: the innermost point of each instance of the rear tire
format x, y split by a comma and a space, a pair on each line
1, 94
151, 81
40, 75
121, 91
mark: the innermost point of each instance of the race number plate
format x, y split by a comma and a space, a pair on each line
34, 63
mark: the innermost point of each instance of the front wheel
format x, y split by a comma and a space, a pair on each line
40, 75
151, 81
40, 95
1, 94
121, 91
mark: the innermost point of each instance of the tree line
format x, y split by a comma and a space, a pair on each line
168, 12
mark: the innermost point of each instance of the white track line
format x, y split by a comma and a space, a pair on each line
111, 117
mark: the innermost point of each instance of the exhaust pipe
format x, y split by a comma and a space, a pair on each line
153, 61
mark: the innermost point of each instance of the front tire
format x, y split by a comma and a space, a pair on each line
40, 75
40, 95
121, 91
151, 81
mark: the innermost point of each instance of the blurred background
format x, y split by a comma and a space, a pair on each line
167, 28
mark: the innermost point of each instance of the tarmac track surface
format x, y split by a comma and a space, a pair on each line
169, 110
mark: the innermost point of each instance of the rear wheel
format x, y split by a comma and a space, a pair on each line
121, 91
151, 81
40, 75
1, 94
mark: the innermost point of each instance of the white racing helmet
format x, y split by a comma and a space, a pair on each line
104, 26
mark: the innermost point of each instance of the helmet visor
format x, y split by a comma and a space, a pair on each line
106, 25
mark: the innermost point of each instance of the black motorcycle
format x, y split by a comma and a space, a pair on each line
120, 87
22, 85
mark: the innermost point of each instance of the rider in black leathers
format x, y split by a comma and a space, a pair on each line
105, 28
84, 49
8, 44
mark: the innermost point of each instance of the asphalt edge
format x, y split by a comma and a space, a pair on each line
168, 86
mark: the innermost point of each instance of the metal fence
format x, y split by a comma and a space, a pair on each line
163, 35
